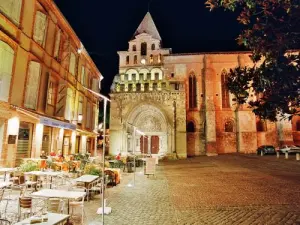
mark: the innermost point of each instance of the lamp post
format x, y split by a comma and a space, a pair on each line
102, 209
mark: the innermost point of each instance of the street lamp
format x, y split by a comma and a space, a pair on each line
106, 99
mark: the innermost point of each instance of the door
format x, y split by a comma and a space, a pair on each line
24, 142
154, 144
66, 146
144, 144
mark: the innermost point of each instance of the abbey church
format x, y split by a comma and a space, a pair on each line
178, 105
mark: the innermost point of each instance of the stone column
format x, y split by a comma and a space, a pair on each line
210, 113
149, 144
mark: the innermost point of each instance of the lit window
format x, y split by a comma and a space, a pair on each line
12, 9
80, 109
32, 85
6, 65
151, 58
72, 64
130, 76
51, 93
159, 58
40, 26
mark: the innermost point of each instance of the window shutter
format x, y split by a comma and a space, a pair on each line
95, 85
6, 65
61, 99
69, 110
88, 114
12, 8
95, 113
39, 27
72, 63
57, 43
32, 85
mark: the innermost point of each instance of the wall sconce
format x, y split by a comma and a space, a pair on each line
79, 118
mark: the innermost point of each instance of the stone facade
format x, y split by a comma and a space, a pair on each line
182, 99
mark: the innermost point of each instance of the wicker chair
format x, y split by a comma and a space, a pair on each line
25, 207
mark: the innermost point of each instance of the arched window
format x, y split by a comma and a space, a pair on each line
261, 126
153, 47
135, 59
225, 92
192, 92
228, 126
151, 58
12, 9
134, 48
298, 125
6, 65
190, 127
144, 48
127, 60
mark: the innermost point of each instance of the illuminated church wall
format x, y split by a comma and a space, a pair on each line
181, 103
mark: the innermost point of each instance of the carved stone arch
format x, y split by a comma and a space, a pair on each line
130, 72
148, 118
229, 125
145, 72
156, 70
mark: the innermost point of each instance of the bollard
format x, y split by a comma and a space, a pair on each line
278, 154
261, 153
297, 156
286, 155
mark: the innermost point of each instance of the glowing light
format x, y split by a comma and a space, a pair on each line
79, 118
143, 61
38, 138
13, 126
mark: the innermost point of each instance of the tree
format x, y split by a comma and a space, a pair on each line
271, 31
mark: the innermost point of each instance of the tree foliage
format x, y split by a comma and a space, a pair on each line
271, 31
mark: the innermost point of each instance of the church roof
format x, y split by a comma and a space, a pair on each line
147, 26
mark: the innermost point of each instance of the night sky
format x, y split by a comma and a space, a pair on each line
106, 26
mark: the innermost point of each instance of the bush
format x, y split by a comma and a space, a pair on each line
92, 169
29, 166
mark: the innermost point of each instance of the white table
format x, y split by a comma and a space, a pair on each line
45, 173
86, 178
5, 184
5, 170
52, 193
53, 219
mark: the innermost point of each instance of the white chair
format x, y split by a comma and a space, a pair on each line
77, 203
55, 205
30, 182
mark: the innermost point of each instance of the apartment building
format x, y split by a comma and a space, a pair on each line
46, 78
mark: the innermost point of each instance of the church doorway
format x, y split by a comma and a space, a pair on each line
144, 144
154, 144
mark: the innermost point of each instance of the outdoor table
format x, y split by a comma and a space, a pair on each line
5, 184
53, 219
86, 179
52, 193
5, 170
45, 173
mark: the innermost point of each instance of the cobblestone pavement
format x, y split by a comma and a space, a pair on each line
226, 189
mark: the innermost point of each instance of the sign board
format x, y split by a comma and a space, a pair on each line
150, 166
12, 139
56, 123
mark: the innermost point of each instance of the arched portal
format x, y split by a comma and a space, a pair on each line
150, 120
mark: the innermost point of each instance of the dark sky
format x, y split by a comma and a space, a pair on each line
106, 26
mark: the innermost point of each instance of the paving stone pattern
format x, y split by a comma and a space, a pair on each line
227, 189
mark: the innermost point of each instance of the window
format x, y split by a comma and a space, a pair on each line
122, 87
32, 85
159, 58
172, 75
261, 126
129, 87
151, 58
298, 125
80, 109
12, 9
51, 93
192, 92
177, 86
95, 85
6, 65
134, 48
88, 115
83, 78
69, 110
133, 76
144, 48
72, 64
40, 25
190, 127
57, 44
225, 92
146, 86
228, 127
153, 47
156, 75
138, 87
154, 86
127, 60
135, 59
